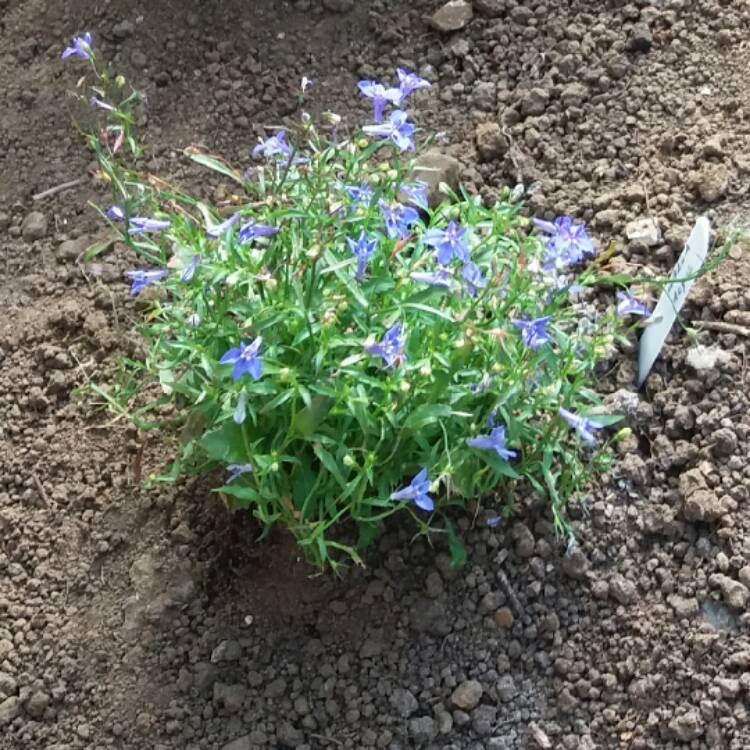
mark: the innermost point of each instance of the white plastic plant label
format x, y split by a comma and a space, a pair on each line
673, 297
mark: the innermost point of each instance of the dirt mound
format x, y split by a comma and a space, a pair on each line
146, 618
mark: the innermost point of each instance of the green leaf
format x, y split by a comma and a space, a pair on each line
215, 163
246, 495
330, 464
455, 546
97, 248
427, 414
604, 419
225, 444
307, 420
498, 464
444, 314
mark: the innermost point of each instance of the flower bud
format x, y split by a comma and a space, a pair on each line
392, 174
285, 374
349, 461
496, 368
426, 369
361, 142
272, 285
459, 343
120, 81
274, 466
404, 386
622, 434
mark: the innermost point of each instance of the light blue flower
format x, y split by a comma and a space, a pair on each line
495, 441
245, 359
417, 491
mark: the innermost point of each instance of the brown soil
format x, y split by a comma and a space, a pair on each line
149, 618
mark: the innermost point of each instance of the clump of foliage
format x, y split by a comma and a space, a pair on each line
341, 350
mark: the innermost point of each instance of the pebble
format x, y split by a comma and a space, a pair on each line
34, 226
506, 688
404, 702
713, 182
643, 232
452, 16
435, 167
490, 140
504, 618
621, 589
467, 695
10, 708
702, 357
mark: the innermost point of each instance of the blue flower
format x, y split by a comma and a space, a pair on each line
363, 249
361, 193
245, 360
381, 97
250, 230
143, 277
583, 426
240, 410
533, 332
416, 192
409, 82
80, 47
449, 243
629, 305
189, 271
397, 128
236, 470
115, 213
391, 348
397, 218
273, 146
567, 243
216, 230
140, 224
473, 277
440, 278
495, 441
417, 491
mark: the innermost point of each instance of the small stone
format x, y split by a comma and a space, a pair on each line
621, 589
683, 607
204, 676
404, 702
703, 505
483, 720
735, 594
490, 140
241, 743
534, 102
644, 232
10, 708
430, 616
289, 735
226, 651
539, 737
490, 8
371, 648
714, 147
687, 727
523, 540
34, 226
640, 38
724, 442
6, 648
576, 565
729, 686
435, 168
338, 6
434, 585
713, 182
276, 688
506, 689
423, 729
467, 695
504, 618
744, 575
454, 15
702, 358
37, 704
123, 29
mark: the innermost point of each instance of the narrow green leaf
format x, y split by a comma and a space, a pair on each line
214, 163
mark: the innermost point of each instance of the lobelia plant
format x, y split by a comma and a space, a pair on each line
342, 352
